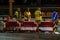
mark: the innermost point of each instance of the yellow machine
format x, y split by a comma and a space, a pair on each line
38, 15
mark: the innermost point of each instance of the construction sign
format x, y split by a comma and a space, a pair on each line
54, 16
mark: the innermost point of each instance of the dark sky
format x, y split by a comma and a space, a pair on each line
4, 2
16, 1
50, 1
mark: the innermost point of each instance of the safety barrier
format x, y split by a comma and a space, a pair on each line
12, 26
46, 26
29, 27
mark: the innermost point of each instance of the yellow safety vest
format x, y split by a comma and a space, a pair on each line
38, 15
16, 13
28, 14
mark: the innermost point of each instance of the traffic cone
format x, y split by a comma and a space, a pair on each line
8, 18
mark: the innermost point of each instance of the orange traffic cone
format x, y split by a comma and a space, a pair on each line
8, 18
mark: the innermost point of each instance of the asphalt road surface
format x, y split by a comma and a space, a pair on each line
29, 36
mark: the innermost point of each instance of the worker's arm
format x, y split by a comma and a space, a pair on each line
30, 13
24, 13
40, 13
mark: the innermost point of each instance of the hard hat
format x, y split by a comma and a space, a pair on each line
18, 9
39, 8
28, 8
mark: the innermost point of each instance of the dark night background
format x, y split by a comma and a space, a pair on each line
4, 4
33, 2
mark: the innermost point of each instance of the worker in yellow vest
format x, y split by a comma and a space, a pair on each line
38, 15
18, 14
27, 15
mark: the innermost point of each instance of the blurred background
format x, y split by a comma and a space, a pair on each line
46, 5
41, 3
47, 8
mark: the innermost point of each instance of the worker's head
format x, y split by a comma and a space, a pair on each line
18, 9
28, 9
54, 11
39, 8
